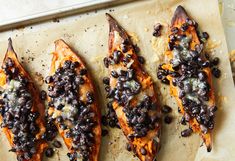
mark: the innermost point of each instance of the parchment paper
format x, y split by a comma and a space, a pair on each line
88, 34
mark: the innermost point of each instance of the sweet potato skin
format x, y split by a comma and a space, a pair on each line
37, 104
116, 35
62, 53
178, 19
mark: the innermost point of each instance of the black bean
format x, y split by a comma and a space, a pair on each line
189, 21
184, 26
143, 151
157, 30
43, 95
67, 64
114, 74
49, 152
183, 121
174, 81
213, 108
83, 71
166, 109
170, 45
107, 89
168, 119
216, 72
79, 80
206, 64
116, 56
125, 41
106, 62
106, 80
160, 75
215, 61
76, 64
90, 97
181, 94
187, 117
207, 56
57, 144
72, 156
174, 30
205, 35
187, 88
165, 81
141, 59
49, 79
136, 48
186, 132
128, 147
124, 48
10, 62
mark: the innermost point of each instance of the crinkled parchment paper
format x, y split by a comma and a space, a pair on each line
88, 34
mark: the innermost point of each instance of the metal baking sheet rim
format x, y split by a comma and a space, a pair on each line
61, 12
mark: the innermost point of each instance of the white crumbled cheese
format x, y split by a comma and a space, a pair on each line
130, 63
117, 38
68, 111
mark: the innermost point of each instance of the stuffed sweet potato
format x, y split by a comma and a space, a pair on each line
189, 73
73, 104
131, 93
22, 113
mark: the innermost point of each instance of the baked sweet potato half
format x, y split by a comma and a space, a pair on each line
189, 74
22, 112
73, 104
131, 92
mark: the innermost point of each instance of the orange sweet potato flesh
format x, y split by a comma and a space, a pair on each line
117, 35
37, 104
62, 53
178, 19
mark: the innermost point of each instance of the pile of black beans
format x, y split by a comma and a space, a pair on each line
51, 129
64, 85
128, 87
110, 119
139, 119
157, 30
16, 111
191, 70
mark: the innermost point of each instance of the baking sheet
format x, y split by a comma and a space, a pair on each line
88, 34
